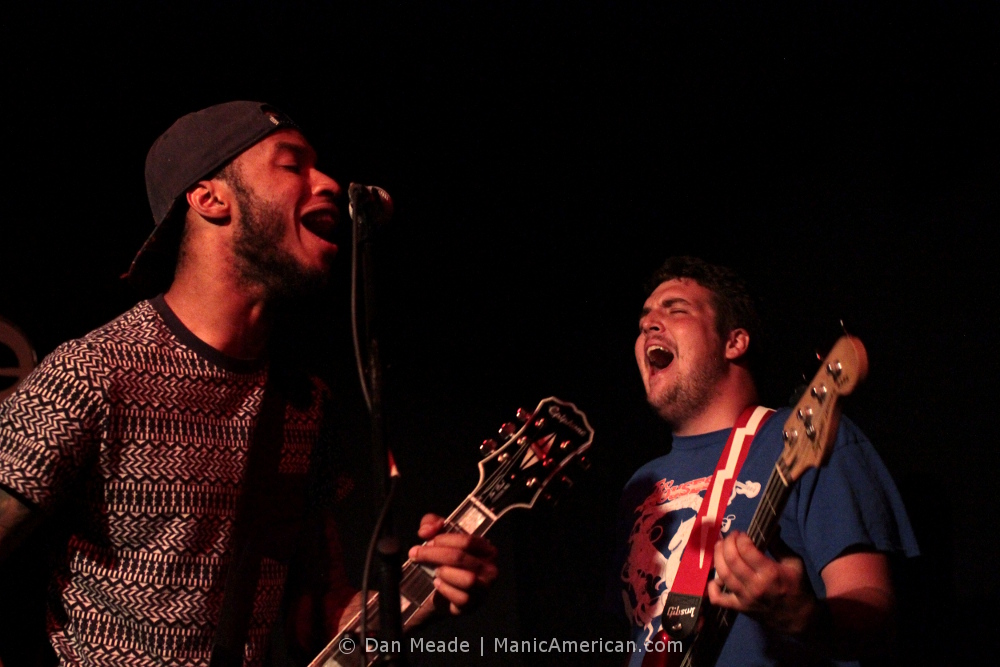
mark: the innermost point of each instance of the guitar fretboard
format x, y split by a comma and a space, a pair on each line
416, 584
710, 640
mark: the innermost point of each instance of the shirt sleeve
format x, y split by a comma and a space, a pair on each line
49, 427
851, 502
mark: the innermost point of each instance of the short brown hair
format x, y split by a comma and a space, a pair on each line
734, 307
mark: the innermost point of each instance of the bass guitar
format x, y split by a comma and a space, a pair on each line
514, 474
809, 434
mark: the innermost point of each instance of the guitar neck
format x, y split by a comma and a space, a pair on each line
416, 585
515, 475
765, 519
416, 588
709, 642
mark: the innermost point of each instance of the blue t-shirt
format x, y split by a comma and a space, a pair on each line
850, 502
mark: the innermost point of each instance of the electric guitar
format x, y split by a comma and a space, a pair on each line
809, 434
515, 474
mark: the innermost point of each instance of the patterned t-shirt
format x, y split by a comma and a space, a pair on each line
146, 429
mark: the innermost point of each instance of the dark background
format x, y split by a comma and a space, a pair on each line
545, 158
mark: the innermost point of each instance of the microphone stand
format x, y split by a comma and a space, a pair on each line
367, 215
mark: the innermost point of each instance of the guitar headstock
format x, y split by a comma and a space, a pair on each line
812, 427
516, 473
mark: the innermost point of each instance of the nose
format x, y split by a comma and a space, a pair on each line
649, 322
324, 186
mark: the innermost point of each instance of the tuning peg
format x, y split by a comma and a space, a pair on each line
523, 415
488, 447
508, 430
566, 481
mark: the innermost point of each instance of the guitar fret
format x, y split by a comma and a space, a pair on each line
471, 518
417, 585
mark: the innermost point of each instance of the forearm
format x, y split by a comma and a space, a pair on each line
16, 520
856, 624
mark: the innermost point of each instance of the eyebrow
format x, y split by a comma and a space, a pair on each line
668, 303
300, 151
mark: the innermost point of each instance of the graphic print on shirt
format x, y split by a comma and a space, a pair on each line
655, 544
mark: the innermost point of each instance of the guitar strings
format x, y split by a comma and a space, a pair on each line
723, 617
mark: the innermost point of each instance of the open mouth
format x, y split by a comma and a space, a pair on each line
322, 223
658, 357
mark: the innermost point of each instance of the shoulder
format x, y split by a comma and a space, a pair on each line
91, 355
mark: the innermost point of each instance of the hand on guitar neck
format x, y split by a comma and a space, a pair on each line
774, 592
454, 565
463, 564
853, 620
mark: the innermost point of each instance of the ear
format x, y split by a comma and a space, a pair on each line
737, 344
212, 200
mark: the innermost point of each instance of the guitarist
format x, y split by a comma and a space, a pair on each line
824, 592
145, 425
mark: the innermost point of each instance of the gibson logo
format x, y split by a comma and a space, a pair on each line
563, 419
674, 612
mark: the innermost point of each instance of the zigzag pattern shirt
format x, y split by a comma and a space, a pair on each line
146, 428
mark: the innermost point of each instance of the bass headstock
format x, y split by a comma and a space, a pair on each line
518, 472
810, 430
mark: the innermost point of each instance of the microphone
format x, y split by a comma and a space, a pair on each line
371, 202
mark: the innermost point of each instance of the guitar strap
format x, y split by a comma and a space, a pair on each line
263, 458
683, 604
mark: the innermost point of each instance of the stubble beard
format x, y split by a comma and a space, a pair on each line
261, 261
690, 395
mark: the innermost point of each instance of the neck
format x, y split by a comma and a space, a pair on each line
731, 397
231, 319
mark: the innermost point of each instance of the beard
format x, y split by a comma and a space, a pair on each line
690, 394
261, 261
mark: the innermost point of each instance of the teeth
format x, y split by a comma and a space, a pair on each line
659, 357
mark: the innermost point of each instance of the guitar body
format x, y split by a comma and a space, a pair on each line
808, 435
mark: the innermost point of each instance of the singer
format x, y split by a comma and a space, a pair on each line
176, 435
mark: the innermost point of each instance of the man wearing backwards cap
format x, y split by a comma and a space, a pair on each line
146, 423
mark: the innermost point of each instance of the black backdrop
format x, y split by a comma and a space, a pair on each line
544, 158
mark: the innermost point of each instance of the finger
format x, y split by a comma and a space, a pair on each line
720, 592
457, 577
456, 597
716, 595
745, 564
722, 574
430, 525
476, 546
467, 579
439, 555
753, 557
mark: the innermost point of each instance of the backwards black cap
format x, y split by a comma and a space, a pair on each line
193, 147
